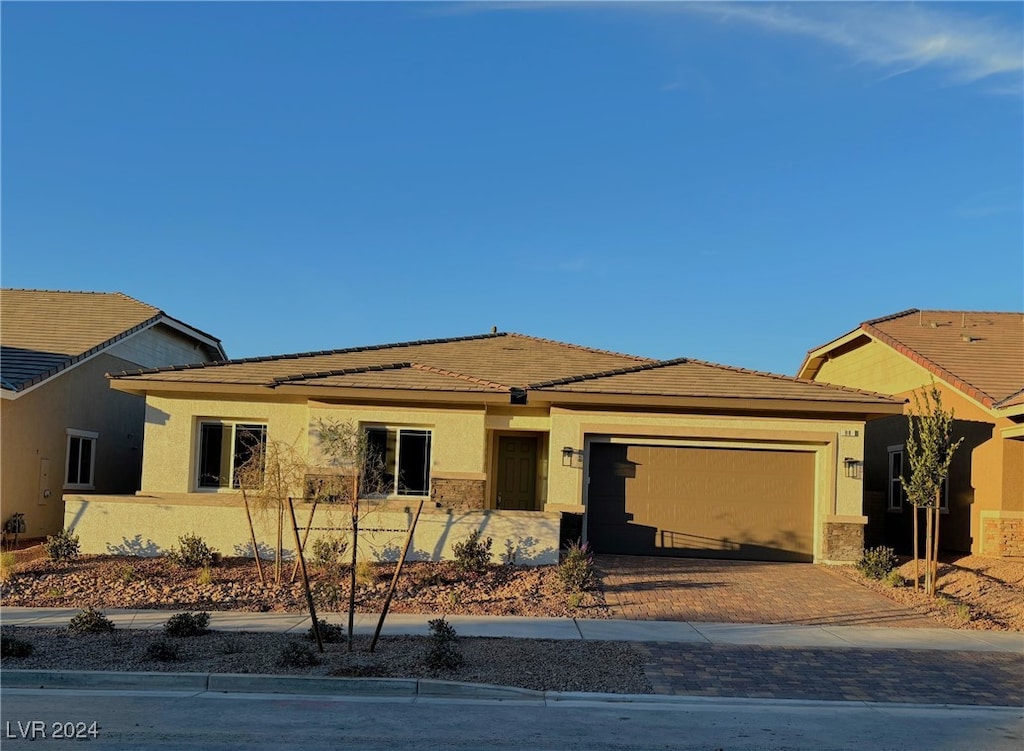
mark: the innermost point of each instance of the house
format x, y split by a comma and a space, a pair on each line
62, 427
527, 440
976, 361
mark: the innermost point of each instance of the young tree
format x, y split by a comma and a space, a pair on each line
929, 450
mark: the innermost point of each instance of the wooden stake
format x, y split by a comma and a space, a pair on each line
305, 537
394, 579
917, 571
352, 569
252, 537
305, 581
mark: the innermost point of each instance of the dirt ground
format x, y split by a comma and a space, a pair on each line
972, 592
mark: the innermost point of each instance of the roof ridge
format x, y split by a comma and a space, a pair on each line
890, 317
338, 371
577, 346
607, 373
312, 353
461, 376
928, 364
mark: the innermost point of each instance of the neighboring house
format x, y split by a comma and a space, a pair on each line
62, 427
976, 360
529, 440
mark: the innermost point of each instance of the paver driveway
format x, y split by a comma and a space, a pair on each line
690, 589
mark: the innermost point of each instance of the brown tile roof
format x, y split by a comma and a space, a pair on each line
684, 377
502, 363
982, 354
43, 331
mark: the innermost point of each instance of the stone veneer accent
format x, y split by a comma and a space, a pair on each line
458, 494
844, 541
1003, 537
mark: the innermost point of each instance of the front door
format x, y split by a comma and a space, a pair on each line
517, 473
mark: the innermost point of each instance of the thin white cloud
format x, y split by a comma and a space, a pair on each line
901, 37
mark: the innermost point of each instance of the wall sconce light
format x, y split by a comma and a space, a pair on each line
853, 467
572, 457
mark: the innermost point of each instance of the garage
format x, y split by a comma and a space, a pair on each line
710, 502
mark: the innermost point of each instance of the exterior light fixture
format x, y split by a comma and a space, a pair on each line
570, 455
853, 467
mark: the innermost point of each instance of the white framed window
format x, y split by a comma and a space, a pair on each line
223, 447
397, 461
897, 495
81, 459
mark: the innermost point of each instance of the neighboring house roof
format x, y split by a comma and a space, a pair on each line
497, 363
979, 353
44, 332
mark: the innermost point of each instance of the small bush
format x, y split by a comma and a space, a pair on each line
327, 553
366, 574
443, 650
576, 570
128, 574
473, 554
296, 655
62, 546
205, 576
162, 651
877, 562
575, 600
193, 552
328, 594
895, 579
12, 646
187, 624
330, 633
90, 621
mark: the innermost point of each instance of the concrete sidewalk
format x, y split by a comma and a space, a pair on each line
676, 632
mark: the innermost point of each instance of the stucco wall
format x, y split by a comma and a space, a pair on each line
150, 526
33, 428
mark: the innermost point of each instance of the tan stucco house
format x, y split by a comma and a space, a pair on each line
976, 360
62, 428
529, 440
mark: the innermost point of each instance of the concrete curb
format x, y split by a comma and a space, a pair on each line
105, 680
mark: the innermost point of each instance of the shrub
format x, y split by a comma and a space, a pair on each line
296, 655
7, 563
192, 553
62, 546
575, 599
90, 621
576, 570
12, 646
330, 633
366, 574
232, 645
876, 563
443, 649
326, 552
128, 574
473, 554
328, 594
895, 579
162, 651
187, 624
205, 576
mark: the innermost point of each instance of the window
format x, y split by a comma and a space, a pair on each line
397, 461
898, 496
224, 447
81, 459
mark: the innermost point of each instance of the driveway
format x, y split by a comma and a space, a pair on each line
691, 589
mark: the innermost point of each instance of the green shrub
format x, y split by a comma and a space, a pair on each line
326, 553
876, 563
12, 646
576, 570
330, 633
162, 651
296, 655
8, 562
473, 554
187, 624
443, 649
895, 579
62, 546
192, 553
90, 621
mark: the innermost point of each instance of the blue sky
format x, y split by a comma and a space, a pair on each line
735, 182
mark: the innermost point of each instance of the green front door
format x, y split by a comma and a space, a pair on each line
517, 473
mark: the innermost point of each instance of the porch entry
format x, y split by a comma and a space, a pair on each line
517, 473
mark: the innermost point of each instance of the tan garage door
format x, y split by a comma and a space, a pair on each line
702, 502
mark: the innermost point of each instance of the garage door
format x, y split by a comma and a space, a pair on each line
701, 502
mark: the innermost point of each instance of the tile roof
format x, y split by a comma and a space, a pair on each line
980, 353
44, 331
501, 363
